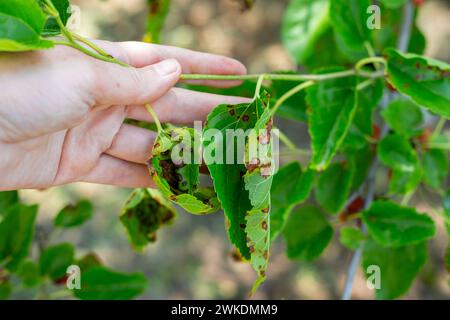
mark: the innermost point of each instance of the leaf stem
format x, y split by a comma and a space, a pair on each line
155, 118
285, 139
291, 93
92, 45
440, 125
375, 60
258, 86
88, 52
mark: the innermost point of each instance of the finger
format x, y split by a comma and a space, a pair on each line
181, 106
117, 172
116, 85
132, 144
139, 54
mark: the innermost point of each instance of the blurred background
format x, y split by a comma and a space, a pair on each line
192, 259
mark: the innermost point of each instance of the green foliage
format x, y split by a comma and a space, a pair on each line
425, 80
353, 119
54, 260
16, 234
333, 106
145, 211
333, 187
351, 237
307, 233
290, 187
304, 22
393, 225
100, 283
399, 266
74, 215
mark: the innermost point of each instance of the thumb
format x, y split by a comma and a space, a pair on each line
117, 85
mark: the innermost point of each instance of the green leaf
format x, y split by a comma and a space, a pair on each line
51, 27
368, 100
333, 187
5, 289
27, 11
100, 283
396, 152
7, 199
399, 266
351, 237
403, 182
54, 260
88, 261
392, 225
304, 22
333, 106
21, 23
436, 167
307, 233
404, 117
290, 187
228, 176
157, 13
393, 3
145, 211
74, 215
16, 234
360, 161
425, 80
349, 20
30, 274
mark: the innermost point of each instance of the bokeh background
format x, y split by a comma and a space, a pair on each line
192, 259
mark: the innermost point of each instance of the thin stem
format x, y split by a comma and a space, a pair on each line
89, 53
55, 14
291, 93
258, 86
284, 77
406, 27
375, 60
92, 45
407, 198
155, 118
439, 127
285, 139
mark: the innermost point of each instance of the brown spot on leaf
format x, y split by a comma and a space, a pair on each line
252, 249
242, 225
245, 117
264, 225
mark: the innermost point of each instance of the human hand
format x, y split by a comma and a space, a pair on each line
62, 113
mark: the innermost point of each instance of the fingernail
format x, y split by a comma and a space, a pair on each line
166, 67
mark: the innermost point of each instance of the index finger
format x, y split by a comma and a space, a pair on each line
140, 54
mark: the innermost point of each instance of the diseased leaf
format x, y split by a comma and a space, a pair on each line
100, 283
351, 237
16, 234
54, 260
290, 187
404, 117
224, 156
175, 169
74, 215
88, 261
398, 266
145, 211
424, 80
307, 233
396, 152
304, 22
333, 187
333, 106
392, 225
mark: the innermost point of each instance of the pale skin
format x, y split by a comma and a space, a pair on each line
62, 113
